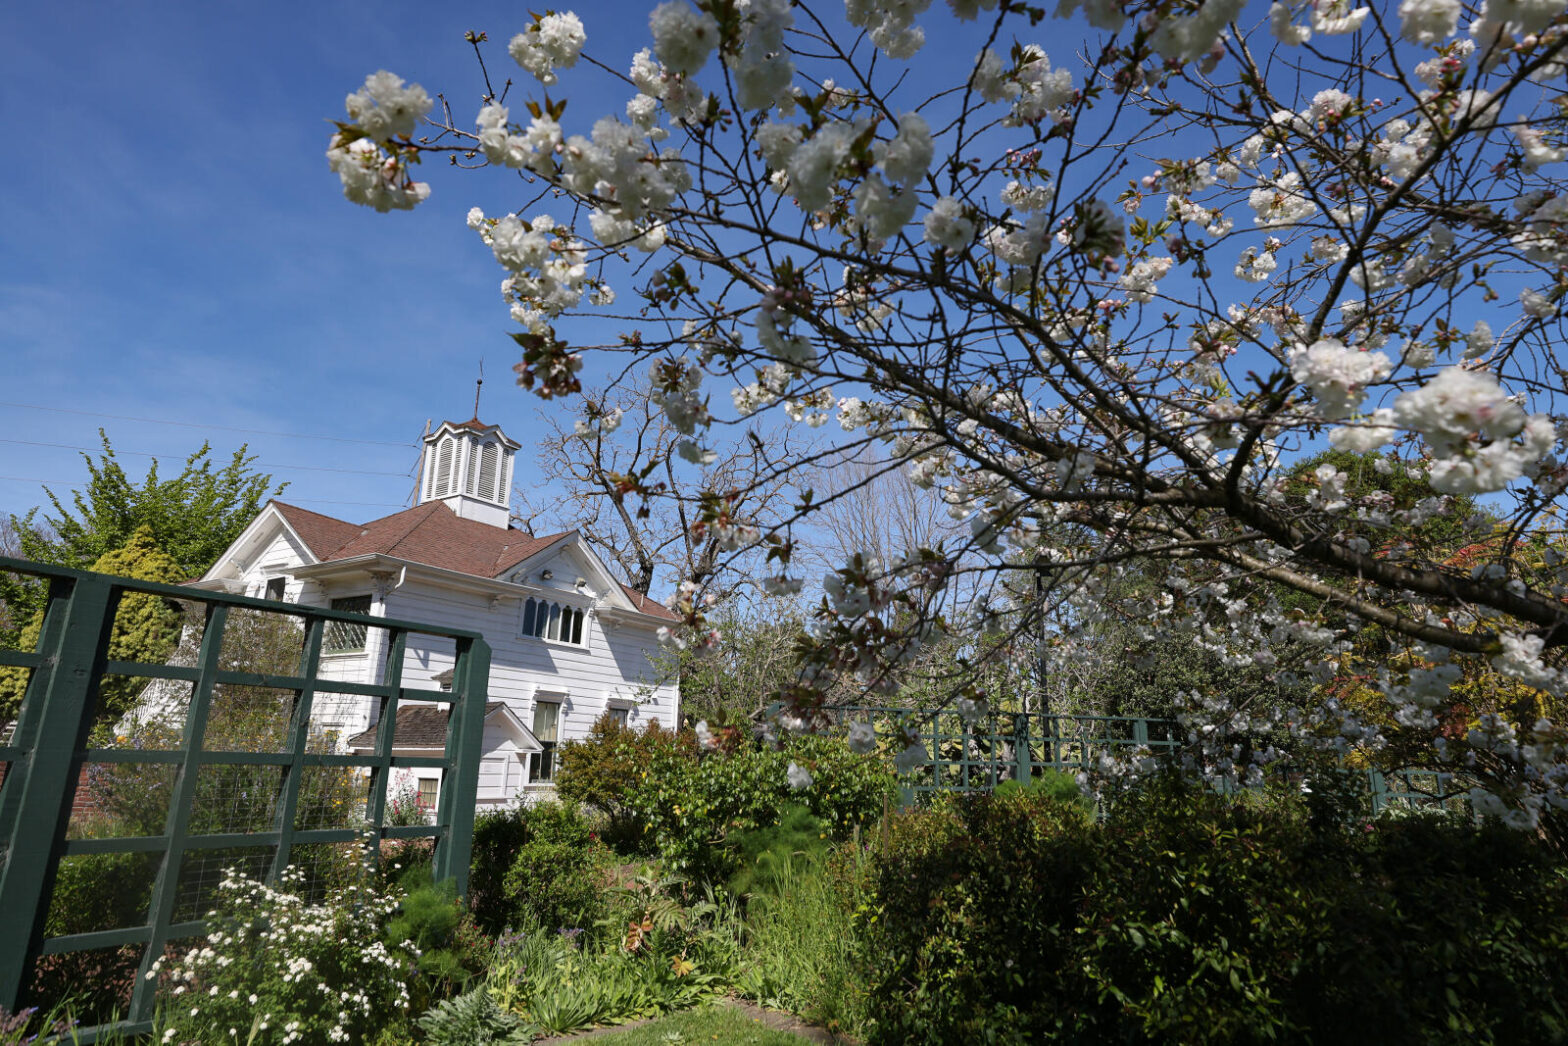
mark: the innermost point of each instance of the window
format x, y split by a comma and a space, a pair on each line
427, 793
547, 718
275, 588
556, 621
618, 716
342, 637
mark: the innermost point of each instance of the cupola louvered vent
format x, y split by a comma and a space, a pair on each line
443, 478
489, 472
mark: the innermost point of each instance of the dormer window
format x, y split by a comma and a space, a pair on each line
560, 622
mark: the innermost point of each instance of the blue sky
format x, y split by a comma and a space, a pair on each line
173, 246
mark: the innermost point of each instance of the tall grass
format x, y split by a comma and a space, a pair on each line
800, 951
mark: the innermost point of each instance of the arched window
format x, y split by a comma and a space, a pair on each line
557, 621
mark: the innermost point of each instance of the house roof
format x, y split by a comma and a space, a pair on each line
418, 726
436, 536
431, 534
651, 607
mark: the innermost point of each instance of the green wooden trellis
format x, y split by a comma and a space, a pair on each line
977, 755
47, 750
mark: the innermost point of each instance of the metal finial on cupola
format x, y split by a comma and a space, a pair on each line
479, 386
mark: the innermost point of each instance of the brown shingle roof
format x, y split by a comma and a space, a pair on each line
436, 536
430, 533
321, 534
418, 726
651, 607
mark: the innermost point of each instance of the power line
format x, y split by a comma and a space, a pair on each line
197, 425
145, 454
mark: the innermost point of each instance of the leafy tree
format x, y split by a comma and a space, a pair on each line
146, 627
192, 517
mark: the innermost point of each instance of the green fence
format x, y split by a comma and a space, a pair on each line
258, 801
975, 754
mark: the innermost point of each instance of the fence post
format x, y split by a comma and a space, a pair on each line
1023, 772
460, 787
56, 717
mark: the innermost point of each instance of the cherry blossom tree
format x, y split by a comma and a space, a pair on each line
1100, 275
616, 482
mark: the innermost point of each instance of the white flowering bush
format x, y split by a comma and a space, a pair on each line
1099, 276
277, 969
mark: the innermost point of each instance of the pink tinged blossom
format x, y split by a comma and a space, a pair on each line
890, 24
763, 69
372, 177
862, 737
1366, 435
1188, 37
991, 80
1140, 281
912, 757
1536, 149
813, 169
1537, 305
1482, 440
907, 157
1042, 91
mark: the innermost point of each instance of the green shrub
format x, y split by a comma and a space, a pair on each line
599, 770
534, 865
800, 952
692, 805
767, 858
970, 924
450, 947
1190, 917
498, 835
555, 885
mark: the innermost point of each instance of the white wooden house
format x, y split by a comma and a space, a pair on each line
568, 642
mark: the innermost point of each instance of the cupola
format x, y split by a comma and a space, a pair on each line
468, 465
